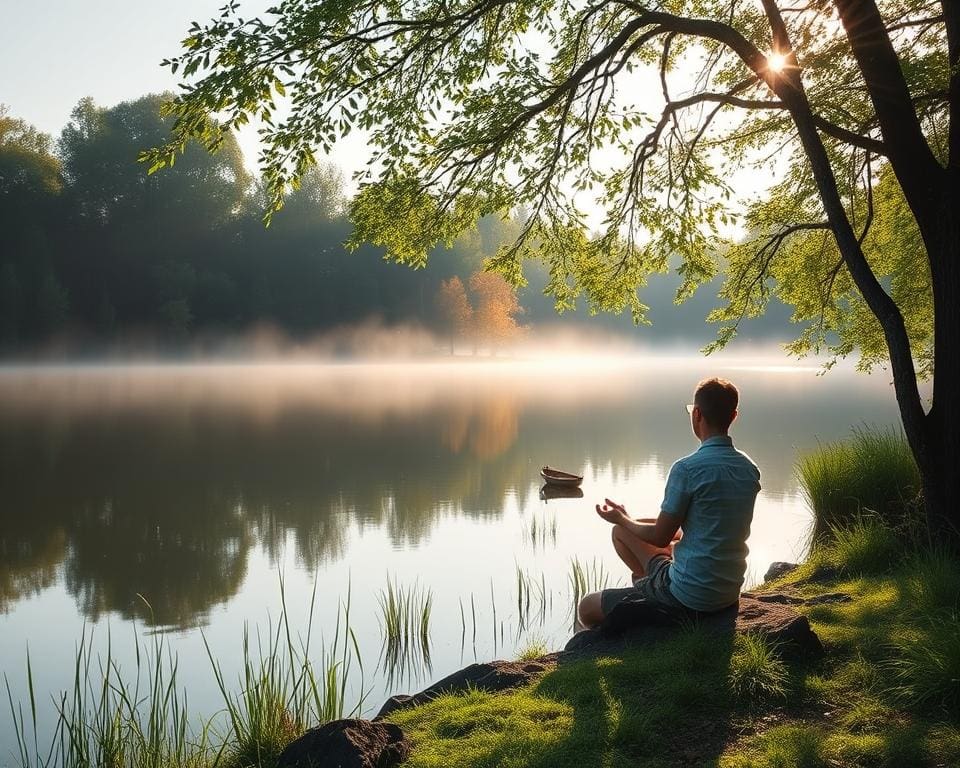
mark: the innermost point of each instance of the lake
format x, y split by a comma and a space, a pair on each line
172, 499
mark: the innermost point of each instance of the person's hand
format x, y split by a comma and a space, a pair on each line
612, 512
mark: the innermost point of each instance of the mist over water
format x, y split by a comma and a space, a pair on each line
172, 496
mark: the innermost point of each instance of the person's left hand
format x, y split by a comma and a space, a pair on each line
612, 512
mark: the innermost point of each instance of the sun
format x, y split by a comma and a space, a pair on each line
776, 62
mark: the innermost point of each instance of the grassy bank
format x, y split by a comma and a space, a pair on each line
885, 694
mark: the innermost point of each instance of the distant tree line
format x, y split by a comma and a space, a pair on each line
94, 250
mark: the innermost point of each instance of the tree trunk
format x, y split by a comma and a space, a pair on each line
934, 437
940, 468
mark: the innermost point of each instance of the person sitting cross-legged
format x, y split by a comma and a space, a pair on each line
693, 556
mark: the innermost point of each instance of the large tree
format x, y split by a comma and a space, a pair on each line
30, 209
148, 250
474, 106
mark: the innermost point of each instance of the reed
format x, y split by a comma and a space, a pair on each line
585, 578
113, 717
405, 614
540, 531
532, 597
493, 608
473, 616
281, 691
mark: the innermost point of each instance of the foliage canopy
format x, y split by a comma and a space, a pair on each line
648, 112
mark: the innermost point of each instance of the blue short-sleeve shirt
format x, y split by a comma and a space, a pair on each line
713, 491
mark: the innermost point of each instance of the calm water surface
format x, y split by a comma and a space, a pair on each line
172, 498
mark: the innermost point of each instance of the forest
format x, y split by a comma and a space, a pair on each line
97, 255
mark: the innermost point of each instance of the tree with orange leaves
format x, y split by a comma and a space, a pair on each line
453, 305
497, 306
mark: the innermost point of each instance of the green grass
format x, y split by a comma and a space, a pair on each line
864, 545
533, 649
783, 746
873, 470
756, 670
925, 665
626, 711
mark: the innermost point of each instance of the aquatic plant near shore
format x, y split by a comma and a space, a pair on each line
405, 624
532, 596
586, 578
109, 719
281, 693
540, 531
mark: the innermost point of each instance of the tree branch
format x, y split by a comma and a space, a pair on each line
929, 21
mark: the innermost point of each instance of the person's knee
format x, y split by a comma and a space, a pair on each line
617, 532
590, 610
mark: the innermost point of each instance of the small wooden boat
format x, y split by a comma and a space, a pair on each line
550, 492
560, 479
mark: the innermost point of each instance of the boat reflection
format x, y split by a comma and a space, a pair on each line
549, 492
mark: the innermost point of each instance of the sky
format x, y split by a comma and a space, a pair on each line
55, 52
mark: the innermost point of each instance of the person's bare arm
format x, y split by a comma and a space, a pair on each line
658, 531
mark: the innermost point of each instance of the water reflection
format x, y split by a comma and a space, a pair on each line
160, 481
548, 492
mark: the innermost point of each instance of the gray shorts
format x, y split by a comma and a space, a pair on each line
654, 587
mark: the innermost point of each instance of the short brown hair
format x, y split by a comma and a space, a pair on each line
717, 400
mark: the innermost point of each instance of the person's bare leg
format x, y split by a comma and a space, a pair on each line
634, 551
590, 611
625, 553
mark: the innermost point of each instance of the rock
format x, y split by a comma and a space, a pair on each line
347, 744
778, 569
491, 676
398, 701
781, 598
780, 624
633, 622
